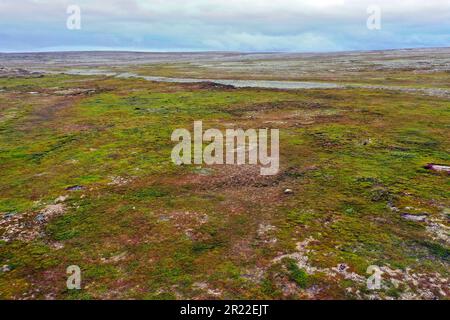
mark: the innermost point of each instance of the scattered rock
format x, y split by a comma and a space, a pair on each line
380, 194
391, 207
74, 188
263, 229
204, 171
8, 215
40, 218
255, 275
163, 218
49, 212
29, 226
416, 285
118, 181
265, 234
6, 268
57, 245
300, 257
190, 233
288, 191
342, 267
415, 217
200, 285
214, 292
438, 167
205, 287
115, 259
74, 92
61, 199
439, 231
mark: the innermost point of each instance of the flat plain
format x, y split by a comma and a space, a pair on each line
86, 176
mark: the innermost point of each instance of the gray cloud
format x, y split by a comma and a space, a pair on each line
249, 25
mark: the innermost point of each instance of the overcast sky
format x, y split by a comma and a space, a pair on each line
232, 25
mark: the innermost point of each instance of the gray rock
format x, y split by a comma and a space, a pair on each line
6, 268
75, 188
414, 217
40, 218
438, 167
8, 215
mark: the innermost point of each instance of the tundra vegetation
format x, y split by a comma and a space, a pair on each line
86, 178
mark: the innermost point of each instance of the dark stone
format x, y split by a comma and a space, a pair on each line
75, 188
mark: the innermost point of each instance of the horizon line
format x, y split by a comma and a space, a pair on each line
216, 51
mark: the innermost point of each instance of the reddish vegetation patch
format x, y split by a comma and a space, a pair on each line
188, 222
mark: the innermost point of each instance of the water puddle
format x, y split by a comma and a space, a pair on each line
266, 84
269, 84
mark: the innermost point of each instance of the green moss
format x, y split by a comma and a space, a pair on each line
437, 249
296, 274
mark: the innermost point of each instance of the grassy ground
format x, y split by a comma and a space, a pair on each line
86, 179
